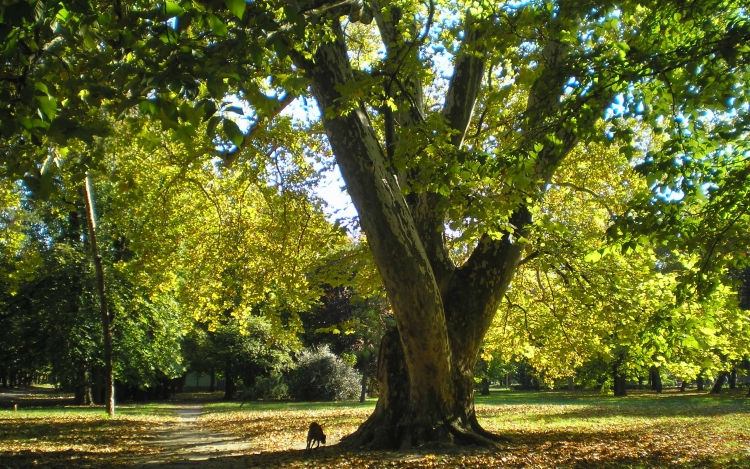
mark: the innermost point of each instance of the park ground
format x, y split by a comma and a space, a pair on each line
544, 430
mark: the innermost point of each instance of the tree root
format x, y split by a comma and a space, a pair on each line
379, 434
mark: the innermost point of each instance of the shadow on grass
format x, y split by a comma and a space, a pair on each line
547, 450
589, 406
72, 432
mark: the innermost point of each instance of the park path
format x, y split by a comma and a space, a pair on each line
184, 444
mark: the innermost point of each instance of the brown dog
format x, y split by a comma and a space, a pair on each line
315, 435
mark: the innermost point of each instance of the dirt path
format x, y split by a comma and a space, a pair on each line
186, 445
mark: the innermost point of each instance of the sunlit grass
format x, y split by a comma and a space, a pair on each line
78, 436
545, 430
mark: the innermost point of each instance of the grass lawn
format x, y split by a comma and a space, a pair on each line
48, 432
546, 430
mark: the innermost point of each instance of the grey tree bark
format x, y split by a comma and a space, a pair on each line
102, 293
442, 310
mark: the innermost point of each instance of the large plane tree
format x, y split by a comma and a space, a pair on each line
448, 121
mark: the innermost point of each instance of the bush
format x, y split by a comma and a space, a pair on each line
321, 375
271, 387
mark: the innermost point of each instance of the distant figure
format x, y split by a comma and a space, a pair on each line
315, 434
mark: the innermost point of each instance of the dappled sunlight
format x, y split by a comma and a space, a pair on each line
77, 436
286, 429
545, 430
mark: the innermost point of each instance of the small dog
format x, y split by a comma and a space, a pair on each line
315, 434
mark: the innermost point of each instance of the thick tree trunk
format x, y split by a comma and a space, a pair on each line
733, 379
700, 383
386, 428
212, 384
618, 375
442, 313
719, 383
655, 378
98, 386
485, 387
82, 392
103, 307
228, 382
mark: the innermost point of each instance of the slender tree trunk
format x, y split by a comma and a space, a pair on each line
571, 384
365, 365
103, 306
212, 384
699, 383
683, 386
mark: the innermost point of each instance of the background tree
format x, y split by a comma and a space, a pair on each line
417, 159
354, 315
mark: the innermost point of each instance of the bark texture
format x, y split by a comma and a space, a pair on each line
442, 311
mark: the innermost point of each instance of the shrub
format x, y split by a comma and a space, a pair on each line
271, 387
321, 375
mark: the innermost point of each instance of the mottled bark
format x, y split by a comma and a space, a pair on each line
442, 312
398, 252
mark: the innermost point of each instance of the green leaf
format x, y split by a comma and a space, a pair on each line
237, 7
593, 257
173, 9
217, 26
690, 342
213, 122
233, 132
89, 42
48, 106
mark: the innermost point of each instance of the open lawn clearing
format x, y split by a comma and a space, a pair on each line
45, 432
546, 430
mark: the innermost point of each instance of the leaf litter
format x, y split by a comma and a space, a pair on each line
673, 431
